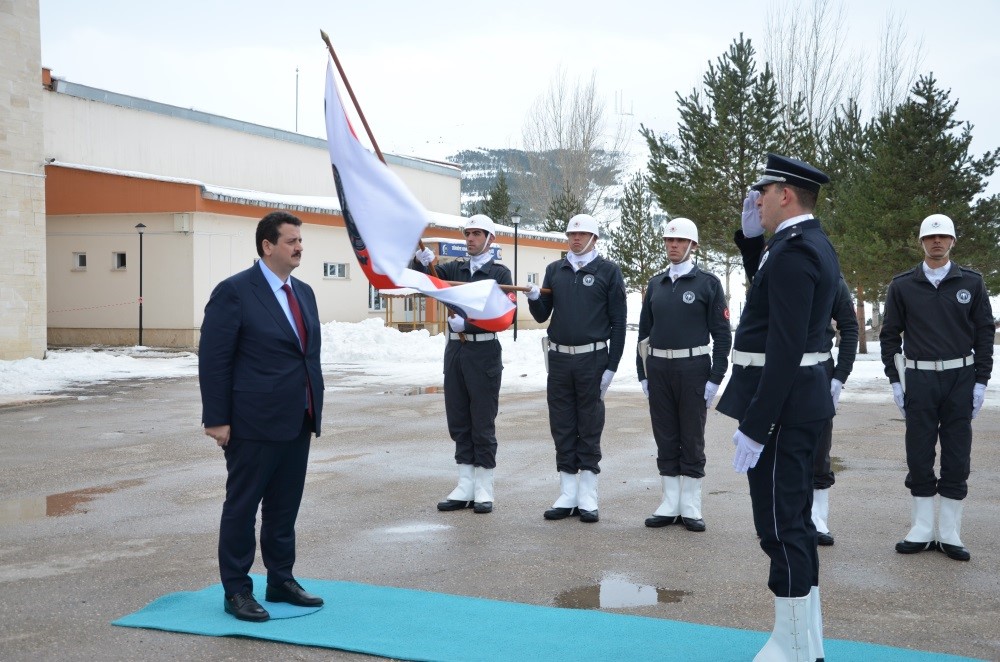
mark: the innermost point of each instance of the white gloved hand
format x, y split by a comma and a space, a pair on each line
897, 396
533, 292
424, 256
835, 388
456, 323
752, 226
606, 381
978, 396
710, 390
747, 452
645, 386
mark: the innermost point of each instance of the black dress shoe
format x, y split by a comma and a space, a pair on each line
483, 507
956, 552
907, 547
824, 539
561, 513
246, 608
697, 525
454, 504
292, 593
656, 521
589, 516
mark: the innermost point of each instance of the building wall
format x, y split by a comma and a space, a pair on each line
22, 184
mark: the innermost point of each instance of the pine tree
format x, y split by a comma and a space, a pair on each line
497, 203
636, 244
564, 207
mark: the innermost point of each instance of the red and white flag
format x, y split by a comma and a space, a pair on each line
385, 223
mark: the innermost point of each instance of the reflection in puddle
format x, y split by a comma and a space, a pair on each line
418, 528
615, 592
57, 505
415, 390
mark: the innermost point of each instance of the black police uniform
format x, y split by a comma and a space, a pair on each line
951, 321
782, 404
472, 371
587, 306
679, 315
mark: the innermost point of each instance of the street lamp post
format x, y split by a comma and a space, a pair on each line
515, 219
140, 228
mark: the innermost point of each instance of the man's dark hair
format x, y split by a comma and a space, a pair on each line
806, 198
269, 228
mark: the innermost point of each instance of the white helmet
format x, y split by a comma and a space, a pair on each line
583, 223
480, 222
937, 224
681, 228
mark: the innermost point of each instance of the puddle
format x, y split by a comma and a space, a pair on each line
615, 592
837, 464
57, 505
418, 528
415, 390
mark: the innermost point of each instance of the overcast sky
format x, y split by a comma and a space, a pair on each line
436, 76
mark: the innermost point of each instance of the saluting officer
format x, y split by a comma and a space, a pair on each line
938, 321
682, 308
779, 392
586, 339
473, 364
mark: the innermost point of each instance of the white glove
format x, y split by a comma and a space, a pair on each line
747, 452
606, 381
752, 226
645, 386
710, 390
533, 292
897, 396
424, 256
835, 387
978, 395
456, 323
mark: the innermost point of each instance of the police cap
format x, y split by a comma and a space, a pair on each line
793, 172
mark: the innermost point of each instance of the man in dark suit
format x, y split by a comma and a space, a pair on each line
262, 399
780, 394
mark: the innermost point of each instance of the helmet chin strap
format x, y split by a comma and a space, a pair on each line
486, 246
686, 254
946, 255
586, 247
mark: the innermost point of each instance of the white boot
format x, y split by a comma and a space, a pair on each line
691, 504
566, 504
921, 535
483, 494
462, 495
669, 511
588, 496
815, 626
950, 529
821, 510
789, 640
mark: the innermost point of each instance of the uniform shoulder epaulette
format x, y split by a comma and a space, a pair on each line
902, 273
662, 273
972, 271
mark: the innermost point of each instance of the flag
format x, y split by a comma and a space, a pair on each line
385, 223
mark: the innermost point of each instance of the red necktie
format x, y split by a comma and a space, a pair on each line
293, 306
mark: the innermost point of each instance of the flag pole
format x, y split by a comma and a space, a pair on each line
350, 91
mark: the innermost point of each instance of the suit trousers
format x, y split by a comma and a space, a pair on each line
472, 372
576, 411
269, 475
823, 476
677, 412
781, 494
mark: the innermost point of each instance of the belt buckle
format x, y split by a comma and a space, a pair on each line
572, 349
938, 365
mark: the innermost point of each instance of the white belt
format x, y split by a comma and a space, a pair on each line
471, 337
756, 359
678, 353
938, 366
577, 349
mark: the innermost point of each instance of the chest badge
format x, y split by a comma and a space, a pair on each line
763, 259
688, 297
588, 280
963, 296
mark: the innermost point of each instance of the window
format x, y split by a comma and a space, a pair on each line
79, 261
412, 304
533, 277
334, 270
118, 261
375, 302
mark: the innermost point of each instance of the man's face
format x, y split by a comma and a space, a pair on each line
476, 241
770, 205
937, 246
677, 249
285, 255
580, 242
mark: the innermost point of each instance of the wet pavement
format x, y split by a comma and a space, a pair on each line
111, 498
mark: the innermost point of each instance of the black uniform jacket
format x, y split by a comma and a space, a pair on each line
586, 306
787, 314
940, 323
682, 314
458, 271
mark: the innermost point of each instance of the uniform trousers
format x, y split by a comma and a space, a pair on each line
823, 478
781, 494
939, 406
269, 475
472, 372
677, 412
576, 411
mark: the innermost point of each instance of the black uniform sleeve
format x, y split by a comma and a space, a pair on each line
722, 334
985, 331
750, 251
890, 338
541, 307
847, 326
617, 308
645, 326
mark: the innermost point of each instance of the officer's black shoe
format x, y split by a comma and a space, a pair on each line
907, 547
588, 516
956, 552
483, 507
824, 539
246, 608
454, 504
656, 521
561, 513
690, 524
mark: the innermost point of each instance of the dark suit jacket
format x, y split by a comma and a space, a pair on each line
251, 368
